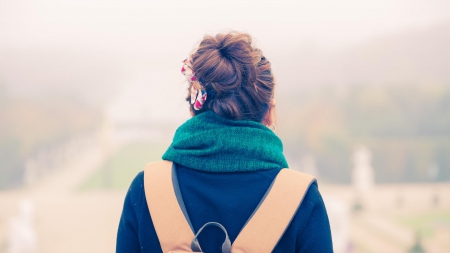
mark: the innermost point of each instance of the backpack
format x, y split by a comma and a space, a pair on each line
260, 234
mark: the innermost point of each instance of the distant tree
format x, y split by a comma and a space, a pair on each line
417, 247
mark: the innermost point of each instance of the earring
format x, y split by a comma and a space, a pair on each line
272, 127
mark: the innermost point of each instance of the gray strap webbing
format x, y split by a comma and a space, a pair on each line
226, 246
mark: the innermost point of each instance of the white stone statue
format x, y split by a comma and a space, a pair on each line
22, 233
363, 177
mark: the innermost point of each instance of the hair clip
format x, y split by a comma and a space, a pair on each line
198, 93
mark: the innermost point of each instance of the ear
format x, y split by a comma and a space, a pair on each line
269, 118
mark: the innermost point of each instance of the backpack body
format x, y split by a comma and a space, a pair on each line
262, 231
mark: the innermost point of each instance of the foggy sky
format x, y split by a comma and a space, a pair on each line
132, 50
91, 23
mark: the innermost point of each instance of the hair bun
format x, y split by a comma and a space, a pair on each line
225, 60
231, 66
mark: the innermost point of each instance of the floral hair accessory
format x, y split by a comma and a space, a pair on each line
198, 92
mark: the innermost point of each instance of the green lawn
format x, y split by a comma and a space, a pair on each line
121, 168
426, 224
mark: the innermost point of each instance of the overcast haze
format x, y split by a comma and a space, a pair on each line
91, 23
128, 53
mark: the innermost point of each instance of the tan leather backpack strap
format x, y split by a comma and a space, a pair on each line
172, 228
265, 228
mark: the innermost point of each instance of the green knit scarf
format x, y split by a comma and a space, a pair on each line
212, 143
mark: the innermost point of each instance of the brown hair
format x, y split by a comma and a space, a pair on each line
236, 76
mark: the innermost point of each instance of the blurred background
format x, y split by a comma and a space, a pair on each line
90, 91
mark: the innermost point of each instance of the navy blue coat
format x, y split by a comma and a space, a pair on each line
227, 198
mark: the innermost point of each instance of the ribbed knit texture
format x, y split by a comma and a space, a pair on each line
212, 143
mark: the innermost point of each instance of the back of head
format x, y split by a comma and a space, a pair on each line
236, 76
